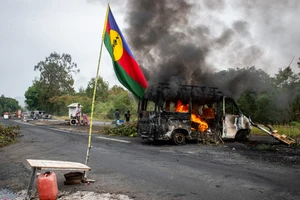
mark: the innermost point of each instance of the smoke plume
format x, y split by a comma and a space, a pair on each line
172, 44
189, 41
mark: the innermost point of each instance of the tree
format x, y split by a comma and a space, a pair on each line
295, 107
266, 110
1, 110
55, 79
116, 90
118, 98
81, 91
287, 89
122, 99
102, 89
60, 103
234, 82
247, 103
32, 97
285, 78
8, 104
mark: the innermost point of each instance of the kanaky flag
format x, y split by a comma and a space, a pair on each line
126, 68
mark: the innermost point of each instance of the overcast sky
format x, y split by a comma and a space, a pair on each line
32, 29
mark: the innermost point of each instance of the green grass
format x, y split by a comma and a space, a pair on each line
294, 123
290, 131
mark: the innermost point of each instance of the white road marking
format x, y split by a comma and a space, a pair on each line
116, 140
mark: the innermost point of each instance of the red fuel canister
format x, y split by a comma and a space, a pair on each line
47, 186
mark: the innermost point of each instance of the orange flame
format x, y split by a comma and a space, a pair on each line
203, 126
180, 107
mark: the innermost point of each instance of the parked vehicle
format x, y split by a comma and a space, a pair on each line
40, 115
25, 116
6, 115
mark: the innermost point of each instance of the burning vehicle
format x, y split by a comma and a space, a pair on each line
193, 112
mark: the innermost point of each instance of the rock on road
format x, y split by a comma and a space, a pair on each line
144, 171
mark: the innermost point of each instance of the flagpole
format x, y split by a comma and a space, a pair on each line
93, 105
94, 95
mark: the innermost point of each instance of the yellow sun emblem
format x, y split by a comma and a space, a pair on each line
117, 44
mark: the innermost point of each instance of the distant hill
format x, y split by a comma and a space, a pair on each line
21, 101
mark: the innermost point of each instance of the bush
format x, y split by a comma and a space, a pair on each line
8, 135
294, 123
128, 129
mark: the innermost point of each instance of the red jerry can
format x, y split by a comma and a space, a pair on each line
47, 186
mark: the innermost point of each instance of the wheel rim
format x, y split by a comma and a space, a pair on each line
179, 138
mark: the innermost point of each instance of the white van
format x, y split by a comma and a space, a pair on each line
5, 116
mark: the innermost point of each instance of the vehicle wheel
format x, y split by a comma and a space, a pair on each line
243, 136
178, 138
73, 122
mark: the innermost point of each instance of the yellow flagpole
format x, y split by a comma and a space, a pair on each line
94, 93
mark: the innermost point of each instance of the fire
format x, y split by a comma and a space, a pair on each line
180, 107
203, 126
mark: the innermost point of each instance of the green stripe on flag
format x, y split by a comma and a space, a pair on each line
121, 74
108, 45
128, 82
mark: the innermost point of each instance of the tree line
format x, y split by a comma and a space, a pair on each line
266, 99
8, 104
54, 90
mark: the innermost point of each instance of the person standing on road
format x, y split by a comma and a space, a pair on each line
78, 114
117, 114
127, 116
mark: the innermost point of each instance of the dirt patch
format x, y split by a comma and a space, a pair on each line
79, 195
264, 149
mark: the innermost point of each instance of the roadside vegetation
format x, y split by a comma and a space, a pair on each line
292, 130
8, 135
127, 129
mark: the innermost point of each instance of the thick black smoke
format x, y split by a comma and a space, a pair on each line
188, 41
172, 46
167, 45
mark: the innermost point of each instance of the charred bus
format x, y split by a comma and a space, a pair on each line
188, 113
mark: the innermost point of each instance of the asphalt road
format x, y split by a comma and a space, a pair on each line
144, 171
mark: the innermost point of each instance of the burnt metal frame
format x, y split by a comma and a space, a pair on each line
211, 94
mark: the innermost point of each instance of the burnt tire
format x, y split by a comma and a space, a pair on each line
243, 136
178, 139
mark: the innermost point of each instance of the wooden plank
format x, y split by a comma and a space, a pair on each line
63, 165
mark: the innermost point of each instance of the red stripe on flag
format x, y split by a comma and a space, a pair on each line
107, 27
132, 69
